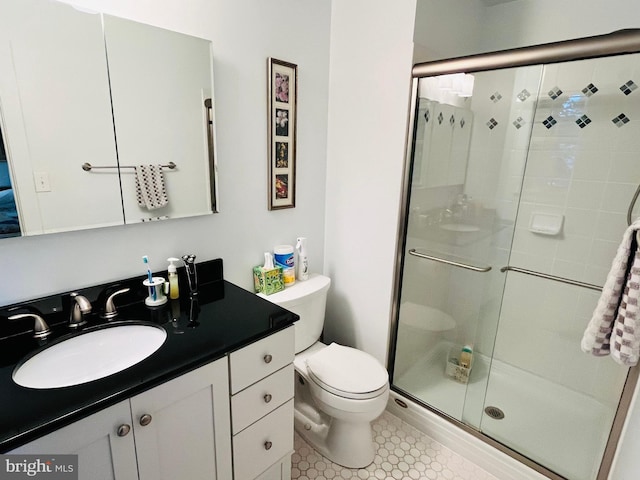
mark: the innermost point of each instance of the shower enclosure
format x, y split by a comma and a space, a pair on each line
520, 173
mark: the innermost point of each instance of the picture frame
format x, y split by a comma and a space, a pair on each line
283, 99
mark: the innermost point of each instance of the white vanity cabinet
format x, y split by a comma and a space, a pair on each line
181, 429
230, 419
262, 387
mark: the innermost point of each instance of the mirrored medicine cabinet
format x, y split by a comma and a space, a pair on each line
85, 99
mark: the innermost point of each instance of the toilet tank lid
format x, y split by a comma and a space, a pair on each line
313, 284
348, 369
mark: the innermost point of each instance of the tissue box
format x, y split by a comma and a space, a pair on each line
268, 281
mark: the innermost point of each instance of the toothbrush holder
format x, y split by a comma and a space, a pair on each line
157, 285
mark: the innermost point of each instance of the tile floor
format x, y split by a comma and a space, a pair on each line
402, 452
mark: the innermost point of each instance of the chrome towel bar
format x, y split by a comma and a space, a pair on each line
450, 261
87, 166
551, 277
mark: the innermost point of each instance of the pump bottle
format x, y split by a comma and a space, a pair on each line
174, 290
302, 265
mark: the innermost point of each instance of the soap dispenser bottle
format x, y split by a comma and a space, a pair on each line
174, 290
303, 261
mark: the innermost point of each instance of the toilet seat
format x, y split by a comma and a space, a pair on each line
347, 372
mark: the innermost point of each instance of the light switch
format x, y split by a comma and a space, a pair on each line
42, 181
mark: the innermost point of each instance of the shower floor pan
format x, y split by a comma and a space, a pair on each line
561, 429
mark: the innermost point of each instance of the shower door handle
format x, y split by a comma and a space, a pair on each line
450, 261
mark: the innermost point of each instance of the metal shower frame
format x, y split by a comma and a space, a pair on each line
617, 43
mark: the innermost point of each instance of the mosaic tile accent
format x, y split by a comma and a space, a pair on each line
621, 120
496, 97
427, 116
549, 122
628, 87
492, 123
402, 452
554, 93
583, 121
523, 95
519, 122
589, 90
440, 118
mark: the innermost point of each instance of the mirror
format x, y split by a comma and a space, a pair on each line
86, 100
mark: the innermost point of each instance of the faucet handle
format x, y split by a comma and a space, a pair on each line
80, 307
40, 328
110, 307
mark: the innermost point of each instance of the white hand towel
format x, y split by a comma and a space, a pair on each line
150, 189
597, 337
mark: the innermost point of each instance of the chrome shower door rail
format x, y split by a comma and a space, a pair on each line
555, 278
450, 261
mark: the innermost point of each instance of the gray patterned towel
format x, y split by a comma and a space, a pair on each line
617, 306
150, 190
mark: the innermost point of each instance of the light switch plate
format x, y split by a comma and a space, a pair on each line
42, 182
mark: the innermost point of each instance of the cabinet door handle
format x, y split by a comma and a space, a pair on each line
268, 445
145, 419
268, 358
267, 398
123, 430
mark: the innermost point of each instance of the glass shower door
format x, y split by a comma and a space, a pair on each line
466, 180
511, 229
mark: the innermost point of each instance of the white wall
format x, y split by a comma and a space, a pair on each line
244, 34
371, 51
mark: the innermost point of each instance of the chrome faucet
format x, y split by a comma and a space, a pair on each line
192, 276
110, 307
80, 307
40, 327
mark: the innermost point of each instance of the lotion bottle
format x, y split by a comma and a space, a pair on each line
303, 262
466, 356
174, 290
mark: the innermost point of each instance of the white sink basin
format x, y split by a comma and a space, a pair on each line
90, 356
459, 227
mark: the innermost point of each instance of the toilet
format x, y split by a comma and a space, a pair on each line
339, 390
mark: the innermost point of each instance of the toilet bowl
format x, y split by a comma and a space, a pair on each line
339, 390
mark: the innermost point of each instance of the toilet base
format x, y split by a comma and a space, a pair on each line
349, 444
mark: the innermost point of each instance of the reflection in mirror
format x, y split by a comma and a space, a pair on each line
444, 125
9, 225
160, 114
57, 102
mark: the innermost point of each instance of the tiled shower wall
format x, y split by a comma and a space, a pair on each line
582, 167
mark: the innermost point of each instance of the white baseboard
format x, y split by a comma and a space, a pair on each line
464, 444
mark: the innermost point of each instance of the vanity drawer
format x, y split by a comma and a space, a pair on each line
259, 399
264, 443
260, 359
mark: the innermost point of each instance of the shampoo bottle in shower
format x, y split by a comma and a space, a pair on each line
466, 356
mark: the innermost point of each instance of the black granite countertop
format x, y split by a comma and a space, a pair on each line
224, 318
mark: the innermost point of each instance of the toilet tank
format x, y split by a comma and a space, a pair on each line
308, 299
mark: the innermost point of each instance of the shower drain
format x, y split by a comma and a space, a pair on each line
494, 412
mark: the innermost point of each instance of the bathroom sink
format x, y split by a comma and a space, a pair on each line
459, 227
90, 356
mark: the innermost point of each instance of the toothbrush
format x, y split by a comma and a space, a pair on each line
152, 288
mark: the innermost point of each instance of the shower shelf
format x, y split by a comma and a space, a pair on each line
450, 261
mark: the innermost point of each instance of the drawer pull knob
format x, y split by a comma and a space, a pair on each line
145, 419
123, 430
267, 398
267, 445
268, 358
